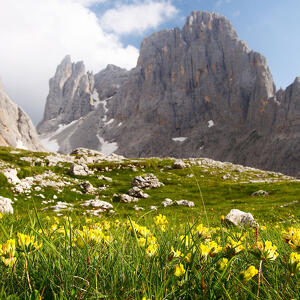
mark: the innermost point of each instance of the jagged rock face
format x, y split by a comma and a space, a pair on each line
196, 92
70, 95
109, 81
16, 128
201, 83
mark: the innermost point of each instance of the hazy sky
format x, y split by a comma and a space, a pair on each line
35, 35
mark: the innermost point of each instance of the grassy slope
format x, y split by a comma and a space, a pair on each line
125, 273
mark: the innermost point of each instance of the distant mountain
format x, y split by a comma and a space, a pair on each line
16, 128
195, 92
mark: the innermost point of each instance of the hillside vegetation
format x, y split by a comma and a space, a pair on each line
53, 247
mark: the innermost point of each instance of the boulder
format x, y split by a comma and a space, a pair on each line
6, 206
98, 203
185, 203
167, 202
179, 164
153, 207
80, 170
12, 176
148, 181
137, 192
237, 217
87, 187
127, 199
260, 193
105, 178
138, 208
61, 205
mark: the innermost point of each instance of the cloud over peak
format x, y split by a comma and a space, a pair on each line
137, 17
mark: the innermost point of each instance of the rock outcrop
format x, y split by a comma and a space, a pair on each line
16, 128
195, 92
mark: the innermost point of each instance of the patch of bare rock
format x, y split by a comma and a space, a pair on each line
6, 206
237, 217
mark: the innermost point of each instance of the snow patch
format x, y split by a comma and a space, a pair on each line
95, 95
211, 123
20, 145
109, 122
120, 124
179, 139
50, 142
106, 147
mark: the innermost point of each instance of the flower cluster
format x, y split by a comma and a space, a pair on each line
28, 243
145, 238
248, 274
8, 252
292, 237
294, 263
161, 221
265, 251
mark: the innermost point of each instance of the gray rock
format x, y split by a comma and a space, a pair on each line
137, 193
179, 164
260, 193
239, 218
185, 203
6, 206
127, 199
98, 203
289, 204
80, 170
148, 181
16, 128
87, 187
61, 206
138, 208
167, 202
102, 177
199, 82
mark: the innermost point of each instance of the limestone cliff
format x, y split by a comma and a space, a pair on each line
195, 92
16, 128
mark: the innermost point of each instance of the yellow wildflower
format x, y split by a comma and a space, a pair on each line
179, 270
188, 257
266, 251
222, 264
151, 249
176, 253
28, 242
292, 237
7, 253
248, 274
294, 262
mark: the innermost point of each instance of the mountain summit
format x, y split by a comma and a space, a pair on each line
195, 92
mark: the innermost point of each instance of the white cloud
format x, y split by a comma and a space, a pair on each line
137, 17
88, 2
36, 34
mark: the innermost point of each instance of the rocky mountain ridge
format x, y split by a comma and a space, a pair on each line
195, 92
16, 128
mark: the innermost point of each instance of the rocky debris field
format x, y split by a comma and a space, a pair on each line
87, 182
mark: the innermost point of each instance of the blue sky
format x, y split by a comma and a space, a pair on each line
37, 34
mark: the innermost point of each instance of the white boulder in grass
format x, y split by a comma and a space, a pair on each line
239, 218
179, 164
167, 202
98, 203
185, 203
5, 206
